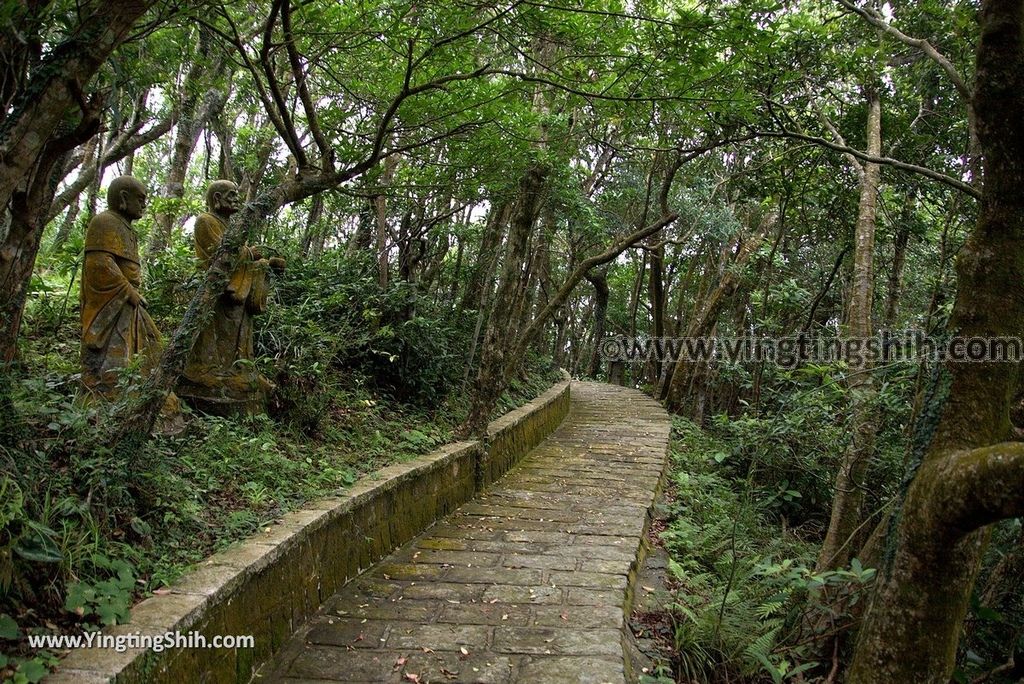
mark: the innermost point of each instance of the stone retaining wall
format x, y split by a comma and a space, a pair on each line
268, 585
512, 436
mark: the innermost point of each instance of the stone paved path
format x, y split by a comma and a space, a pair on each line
526, 583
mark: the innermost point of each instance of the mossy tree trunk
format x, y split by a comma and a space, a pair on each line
971, 474
481, 274
899, 261
499, 334
656, 291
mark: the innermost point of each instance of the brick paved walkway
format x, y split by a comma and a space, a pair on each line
526, 583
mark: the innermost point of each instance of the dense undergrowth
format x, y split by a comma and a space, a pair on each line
747, 604
364, 378
748, 507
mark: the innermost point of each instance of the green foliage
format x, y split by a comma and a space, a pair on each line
331, 327
367, 375
107, 599
992, 629
23, 541
793, 446
747, 603
27, 670
171, 277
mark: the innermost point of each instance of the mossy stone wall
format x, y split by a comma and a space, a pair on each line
270, 584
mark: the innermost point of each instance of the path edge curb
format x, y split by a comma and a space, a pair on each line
632, 661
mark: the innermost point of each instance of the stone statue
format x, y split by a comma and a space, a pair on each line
219, 376
116, 328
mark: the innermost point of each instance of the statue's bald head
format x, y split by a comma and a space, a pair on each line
127, 196
222, 197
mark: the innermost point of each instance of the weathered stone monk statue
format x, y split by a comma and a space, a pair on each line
115, 325
220, 377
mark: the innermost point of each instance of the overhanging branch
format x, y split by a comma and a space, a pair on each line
978, 487
886, 161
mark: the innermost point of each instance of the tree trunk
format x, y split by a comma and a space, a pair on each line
479, 292
360, 239
847, 507
970, 476
33, 147
599, 279
656, 290
21, 242
312, 239
55, 87
899, 259
684, 372
634, 298
489, 383
558, 346
380, 206
190, 126
481, 274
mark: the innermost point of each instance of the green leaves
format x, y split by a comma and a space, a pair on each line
8, 628
38, 544
30, 671
21, 537
108, 599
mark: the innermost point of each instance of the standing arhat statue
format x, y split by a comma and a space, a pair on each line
220, 376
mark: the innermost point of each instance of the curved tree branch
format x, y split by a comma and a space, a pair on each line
963, 187
978, 487
873, 18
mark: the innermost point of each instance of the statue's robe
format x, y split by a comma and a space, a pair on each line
219, 376
114, 330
